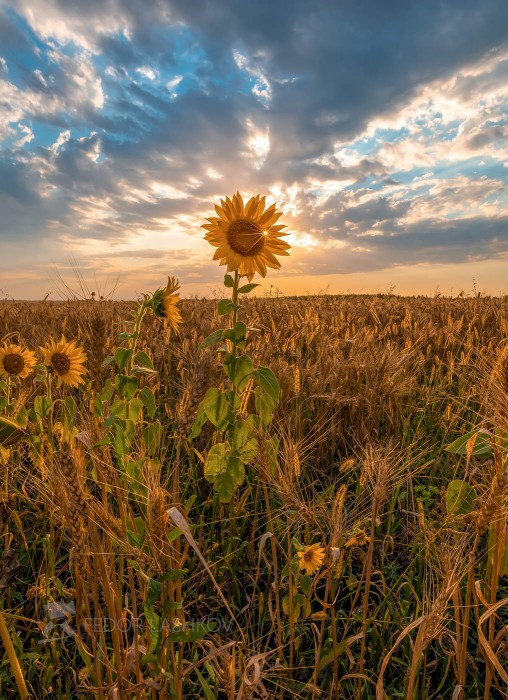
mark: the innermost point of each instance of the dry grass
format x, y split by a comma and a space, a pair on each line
373, 389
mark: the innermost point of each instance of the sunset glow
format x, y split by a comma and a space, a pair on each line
120, 128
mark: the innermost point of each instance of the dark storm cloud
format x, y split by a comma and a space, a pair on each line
450, 241
428, 241
375, 211
352, 59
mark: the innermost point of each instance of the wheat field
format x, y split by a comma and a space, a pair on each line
347, 538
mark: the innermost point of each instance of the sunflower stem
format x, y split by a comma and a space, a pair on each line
49, 389
135, 335
235, 307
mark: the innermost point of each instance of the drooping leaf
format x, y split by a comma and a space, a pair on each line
147, 397
247, 288
118, 409
22, 417
173, 574
265, 406
134, 409
225, 471
10, 432
154, 625
239, 369
197, 425
143, 360
42, 406
108, 360
305, 584
224, 307
237, 334
127, 385
216, 407
107, 391
122, 357
460, 497
268, 382
243, 440
230, 479
482, 444
152, 436
120, 441
216, 460
212, 339
193, 632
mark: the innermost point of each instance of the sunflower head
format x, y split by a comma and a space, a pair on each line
165, 304
16, 361
246, 235
311, 558
65, 360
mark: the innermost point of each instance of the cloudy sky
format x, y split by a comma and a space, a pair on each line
380, 128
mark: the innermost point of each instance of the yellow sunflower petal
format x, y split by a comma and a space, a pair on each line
251, 205
65, 360
245, 236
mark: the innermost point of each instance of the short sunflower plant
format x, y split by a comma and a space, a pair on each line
305, 569
16, 364
127, 402
62, 367
248, 239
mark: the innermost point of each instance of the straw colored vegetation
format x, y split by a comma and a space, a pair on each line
260, 498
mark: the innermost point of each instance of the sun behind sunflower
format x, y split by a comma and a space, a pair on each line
246, 236
65, 360
16, 361
311, 558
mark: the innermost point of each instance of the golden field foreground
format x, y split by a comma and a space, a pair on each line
335, 550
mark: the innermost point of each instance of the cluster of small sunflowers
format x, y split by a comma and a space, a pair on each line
63, 358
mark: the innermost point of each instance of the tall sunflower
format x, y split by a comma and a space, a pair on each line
311, 558
16, 361
165, 304
65, 360
246, 235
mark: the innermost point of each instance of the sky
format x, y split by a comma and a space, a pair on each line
379, 128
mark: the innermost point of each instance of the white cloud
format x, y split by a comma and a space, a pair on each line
147, 72
26, 135
50, 20
261, 87
446, 121
40, 78
213, 174
82, 89
63, 137
174, 83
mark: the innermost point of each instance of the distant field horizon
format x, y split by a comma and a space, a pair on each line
344, 295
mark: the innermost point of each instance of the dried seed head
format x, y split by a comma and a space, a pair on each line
296, 380
245, 398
